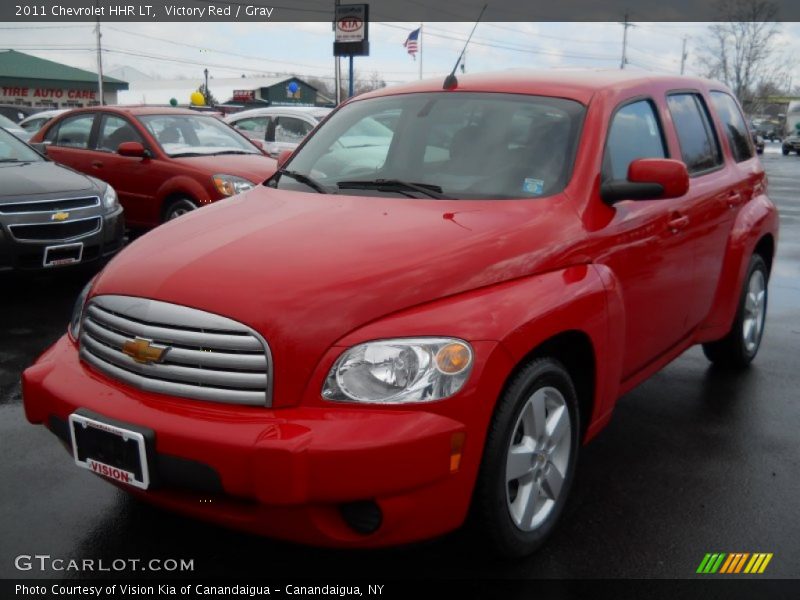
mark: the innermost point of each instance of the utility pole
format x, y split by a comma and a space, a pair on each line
625, 26
337, 65
99, 64
206, 95
683, 55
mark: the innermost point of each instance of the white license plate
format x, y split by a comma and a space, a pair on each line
113, 452
63, 254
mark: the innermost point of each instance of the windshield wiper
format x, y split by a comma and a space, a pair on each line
428, 189
304, 179
12, 160
181, 154
231, 152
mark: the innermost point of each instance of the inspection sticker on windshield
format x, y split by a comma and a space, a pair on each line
533, 186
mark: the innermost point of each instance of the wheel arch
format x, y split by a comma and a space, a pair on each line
575, 350
172, 197
765, 247
754, 231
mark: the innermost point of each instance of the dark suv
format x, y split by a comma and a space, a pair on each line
51, 216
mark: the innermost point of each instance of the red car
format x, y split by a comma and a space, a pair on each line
377, 340
163, 162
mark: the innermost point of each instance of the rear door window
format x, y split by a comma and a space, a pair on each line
635, 132
734, 125
74, 132
698, 141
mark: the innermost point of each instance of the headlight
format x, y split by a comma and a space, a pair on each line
230, 185
400, 370
110, 200
77, 312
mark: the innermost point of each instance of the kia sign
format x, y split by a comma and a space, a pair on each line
351, 22
352, 30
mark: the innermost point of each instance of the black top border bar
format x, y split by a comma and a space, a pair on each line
283, 11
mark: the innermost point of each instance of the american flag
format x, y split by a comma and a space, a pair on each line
412, 44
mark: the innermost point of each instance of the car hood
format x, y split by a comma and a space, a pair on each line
40, 178
255, 167
306, 269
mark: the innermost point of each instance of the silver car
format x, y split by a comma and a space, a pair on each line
36, 121
278, 127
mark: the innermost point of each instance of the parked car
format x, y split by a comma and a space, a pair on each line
163, 162
11, 127
51, 216
36, 121
280, 127
359, 355
791, 143
16, 112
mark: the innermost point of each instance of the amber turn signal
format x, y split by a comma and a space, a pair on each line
453, 358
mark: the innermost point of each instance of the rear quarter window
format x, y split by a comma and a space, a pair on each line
698, 140
734, 125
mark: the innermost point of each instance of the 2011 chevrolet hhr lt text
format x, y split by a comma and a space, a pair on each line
392, 333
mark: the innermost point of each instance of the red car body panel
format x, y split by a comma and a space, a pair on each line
315, 274
145, 184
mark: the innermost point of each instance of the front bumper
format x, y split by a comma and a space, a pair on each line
105, 243
288, 473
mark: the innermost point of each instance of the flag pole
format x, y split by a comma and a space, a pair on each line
420, 50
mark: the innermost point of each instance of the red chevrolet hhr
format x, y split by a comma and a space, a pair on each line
163, 162
401, 326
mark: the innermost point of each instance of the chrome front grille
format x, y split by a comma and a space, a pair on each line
206, 356
65, 231
48, 206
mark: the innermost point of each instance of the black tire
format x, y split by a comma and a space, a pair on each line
734, 351
785, 150
492, 510
178, 207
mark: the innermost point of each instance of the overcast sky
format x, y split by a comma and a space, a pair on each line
172, 50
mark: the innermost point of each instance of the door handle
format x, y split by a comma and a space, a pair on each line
677, 223
734, 199
97, 164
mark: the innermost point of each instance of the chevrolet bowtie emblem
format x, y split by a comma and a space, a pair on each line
144, 351
59, 216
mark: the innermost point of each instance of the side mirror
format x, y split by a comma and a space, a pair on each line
40, 147
284, 157
648, 179
133, 149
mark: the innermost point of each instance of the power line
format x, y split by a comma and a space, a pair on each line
231, 53
523, 49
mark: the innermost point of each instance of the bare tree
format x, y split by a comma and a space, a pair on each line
368, 83
742, 49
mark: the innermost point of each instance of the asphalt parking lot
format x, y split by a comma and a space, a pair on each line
694, 461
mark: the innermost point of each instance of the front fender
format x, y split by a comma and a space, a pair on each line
518, 316
756, 219
184, 185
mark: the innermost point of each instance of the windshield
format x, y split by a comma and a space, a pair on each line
442, 144
195, 135
12, 150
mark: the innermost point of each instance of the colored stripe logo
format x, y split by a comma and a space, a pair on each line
735, 562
